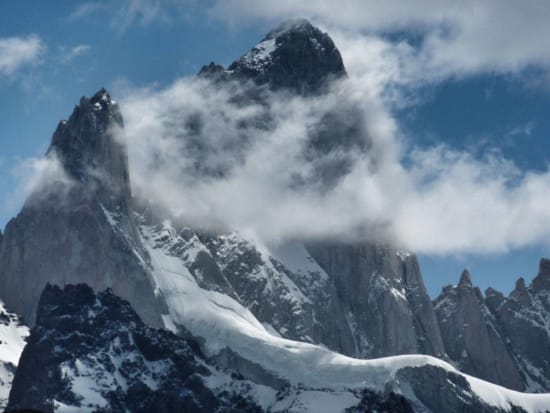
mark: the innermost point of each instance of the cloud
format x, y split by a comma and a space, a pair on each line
86, 9
264, 168
448, 38
69, 54
261, 168
16, 52
37, 178
431, 39
123, 14
143, 12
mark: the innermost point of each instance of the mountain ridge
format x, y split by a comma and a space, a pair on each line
308, 302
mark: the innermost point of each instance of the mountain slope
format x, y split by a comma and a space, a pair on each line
471, 335
63, 233
287, 317
96, 355
524, 319
12, 341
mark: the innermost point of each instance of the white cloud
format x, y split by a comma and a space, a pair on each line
122, 14
450, 38
190, 153
457, 38
16, 52
69, 54
143, 12
86, 9
36, 178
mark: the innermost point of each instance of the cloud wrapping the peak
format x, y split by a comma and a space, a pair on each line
456, 38
260, 168
36, 179
264, 168
434, 39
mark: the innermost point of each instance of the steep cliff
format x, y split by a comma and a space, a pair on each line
65, 232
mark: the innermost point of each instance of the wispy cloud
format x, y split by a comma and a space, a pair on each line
430, 40
456, 38
17, 52
71, 53
250, 167
122, 14
35, 179
86, 9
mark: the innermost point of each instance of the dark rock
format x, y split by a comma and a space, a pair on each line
465, 279
471, 335
381, 403
296, 56
439, 390
542, 280
523, 318
93, 351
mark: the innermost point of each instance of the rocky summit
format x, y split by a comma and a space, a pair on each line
134, 310
64, 233
295, 56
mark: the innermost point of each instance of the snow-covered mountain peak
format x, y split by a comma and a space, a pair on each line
296, 56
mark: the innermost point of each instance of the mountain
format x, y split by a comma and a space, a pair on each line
289, 320
96, 355
12, 340
64, 234
505, 340
524, 319
472, 336
295, 56
363, 299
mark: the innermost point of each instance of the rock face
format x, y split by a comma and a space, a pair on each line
505, 340
438, 390
471, 335
295, 56
94, 353
64, 233
382, 290
361, 299
524, 319
88, 213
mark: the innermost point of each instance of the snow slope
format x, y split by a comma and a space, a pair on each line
12, 341
224, 323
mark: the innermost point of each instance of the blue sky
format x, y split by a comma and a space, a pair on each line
470, 95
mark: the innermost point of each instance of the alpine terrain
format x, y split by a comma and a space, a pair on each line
131, 309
